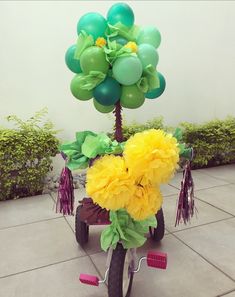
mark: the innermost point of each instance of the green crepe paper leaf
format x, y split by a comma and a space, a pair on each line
88, 145
91, 80
178, 134
143, 85
123, 228
184, 152
113, 51
148, 80
95, 145
119, 29
84, 41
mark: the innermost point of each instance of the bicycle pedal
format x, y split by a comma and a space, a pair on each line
89, 279
157, 259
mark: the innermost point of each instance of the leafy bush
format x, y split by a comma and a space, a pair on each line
25, 156
213, 142
131, 129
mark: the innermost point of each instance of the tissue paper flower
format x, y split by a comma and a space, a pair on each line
152, 154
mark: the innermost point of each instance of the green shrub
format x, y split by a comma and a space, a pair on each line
213, 142
131, 129
25, 156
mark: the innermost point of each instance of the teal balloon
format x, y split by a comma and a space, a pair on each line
120, 40
73, 64
149, 35
127, 70
131, 97
121, 12
93, 24
108, 92
147, 55
155, 93
76, 88
93, 59
102, 108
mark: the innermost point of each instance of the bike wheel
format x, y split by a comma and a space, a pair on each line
157, 234
120, 273
81, 228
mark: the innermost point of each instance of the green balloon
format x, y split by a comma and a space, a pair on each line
76, 90
149, 35
108, 92
158, 91
127, 70
73, 64
102, 108
93, 24
93, 59
121, 12
132, 97
147, 55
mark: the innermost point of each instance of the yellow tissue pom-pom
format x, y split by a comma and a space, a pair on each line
133, 46
100, 41
108, 182
145, 202
151, 156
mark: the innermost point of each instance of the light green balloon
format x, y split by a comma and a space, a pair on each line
131, 97
149, 35
127, 70
75, 87
147, 55
94, 59
102, 108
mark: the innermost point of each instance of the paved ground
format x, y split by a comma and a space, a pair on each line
39, 256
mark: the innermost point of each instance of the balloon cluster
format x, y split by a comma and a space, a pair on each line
115, 60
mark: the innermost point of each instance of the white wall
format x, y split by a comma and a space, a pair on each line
197, 57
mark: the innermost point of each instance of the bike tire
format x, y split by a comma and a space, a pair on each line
157, 233
116, 274
81, 228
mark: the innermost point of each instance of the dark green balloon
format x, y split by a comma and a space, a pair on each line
108, 92
102, 108
94, 59
158, 91
73, 64
132, 97
76, 90
121, 12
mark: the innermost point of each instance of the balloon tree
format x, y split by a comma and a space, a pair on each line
115, 62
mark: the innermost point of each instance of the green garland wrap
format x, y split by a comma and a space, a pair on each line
125, 230
88, 145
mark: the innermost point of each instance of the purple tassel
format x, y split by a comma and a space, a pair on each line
186, 207
65, 198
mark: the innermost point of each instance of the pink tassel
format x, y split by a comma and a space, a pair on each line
65, 198
186, 206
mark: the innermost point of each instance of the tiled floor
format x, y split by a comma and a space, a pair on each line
39, 256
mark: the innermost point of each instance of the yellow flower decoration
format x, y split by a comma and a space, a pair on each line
145, 202
100, 41
108, 182
133, 46
151, 156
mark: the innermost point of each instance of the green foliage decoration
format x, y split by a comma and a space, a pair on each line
25, 155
